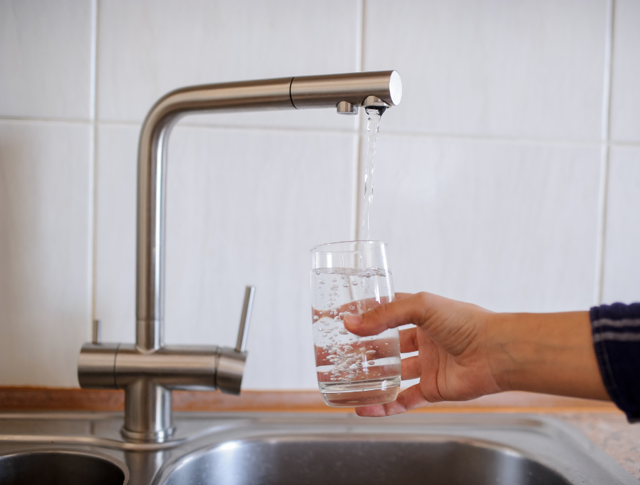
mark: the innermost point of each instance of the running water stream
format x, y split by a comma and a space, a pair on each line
374, 115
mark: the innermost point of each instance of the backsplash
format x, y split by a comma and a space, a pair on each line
509, 176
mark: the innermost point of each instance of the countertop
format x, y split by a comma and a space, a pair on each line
612, 433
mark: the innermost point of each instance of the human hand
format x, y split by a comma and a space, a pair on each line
454, 361
465, 351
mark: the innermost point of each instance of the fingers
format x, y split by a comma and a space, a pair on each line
408, 340
411, 398
410, 368
404, 310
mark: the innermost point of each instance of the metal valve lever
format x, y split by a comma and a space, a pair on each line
231, 361
245, 318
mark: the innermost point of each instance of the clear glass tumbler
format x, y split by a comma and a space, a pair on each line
351, 278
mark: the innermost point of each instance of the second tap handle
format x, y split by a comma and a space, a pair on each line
243, 331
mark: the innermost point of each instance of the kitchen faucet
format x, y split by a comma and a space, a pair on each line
149, 370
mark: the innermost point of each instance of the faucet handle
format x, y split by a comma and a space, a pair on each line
245, 318
231, 362
96, 332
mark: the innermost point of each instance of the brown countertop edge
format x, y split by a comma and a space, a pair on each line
70, 399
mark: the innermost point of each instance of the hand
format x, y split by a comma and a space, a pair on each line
465, 352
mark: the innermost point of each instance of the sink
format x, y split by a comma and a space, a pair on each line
327, 449
53, 467
383, 460
432, 449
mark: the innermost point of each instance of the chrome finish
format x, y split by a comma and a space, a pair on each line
147, 412
245, 319
149, 370
97, 366
346, 108
328, 91
331, 448
173, 367
96, 332
230, 370
374, 102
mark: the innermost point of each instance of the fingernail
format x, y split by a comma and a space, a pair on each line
353, 320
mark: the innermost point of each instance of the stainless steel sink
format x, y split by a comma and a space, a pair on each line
53, 467
331, 449
335, 460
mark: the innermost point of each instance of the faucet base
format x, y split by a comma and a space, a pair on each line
147, 437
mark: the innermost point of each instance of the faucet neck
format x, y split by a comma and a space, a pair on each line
284, 93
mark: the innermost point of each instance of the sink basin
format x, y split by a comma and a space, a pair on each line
427, 449
57, 467
324, 460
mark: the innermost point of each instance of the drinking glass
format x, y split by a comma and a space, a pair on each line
351, 278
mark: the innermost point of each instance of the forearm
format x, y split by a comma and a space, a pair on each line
550, 353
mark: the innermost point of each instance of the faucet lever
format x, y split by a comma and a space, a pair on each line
96, 332
245, 318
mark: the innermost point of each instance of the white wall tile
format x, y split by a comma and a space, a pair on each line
44, 252
509, 226
45, 58
530, 68
244, 207
150, 47
116, 187
625, 79
622, 253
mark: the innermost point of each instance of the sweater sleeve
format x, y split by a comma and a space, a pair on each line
616, 339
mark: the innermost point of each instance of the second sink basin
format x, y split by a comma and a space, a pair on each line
55, 467
323, 460
410, 449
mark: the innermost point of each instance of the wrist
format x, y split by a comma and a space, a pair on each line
502, 349
549, 353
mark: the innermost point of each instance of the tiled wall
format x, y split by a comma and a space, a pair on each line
509, 176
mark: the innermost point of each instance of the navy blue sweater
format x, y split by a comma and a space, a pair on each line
616, 338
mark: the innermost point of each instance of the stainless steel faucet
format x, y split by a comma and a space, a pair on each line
149, 370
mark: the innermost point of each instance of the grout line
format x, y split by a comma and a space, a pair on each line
32, 120
604, 155
346, 131
267, 129
498, 139
93, 158
360, 52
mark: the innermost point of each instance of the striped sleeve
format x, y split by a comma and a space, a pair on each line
616, 339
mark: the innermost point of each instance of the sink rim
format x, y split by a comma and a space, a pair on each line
547, 440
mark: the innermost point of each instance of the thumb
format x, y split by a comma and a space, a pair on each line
399, 312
